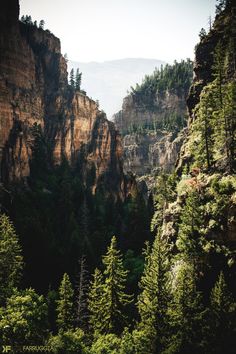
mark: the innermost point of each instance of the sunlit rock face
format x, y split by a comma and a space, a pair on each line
34, 92
155, 149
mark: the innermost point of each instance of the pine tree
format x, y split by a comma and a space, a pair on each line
189, 240
95, 301
152, 302
202, 34
113, 299
223, 309
186, 315
72, 78
230, 111
82, 294
65, 305
11, 261
203, 128
78, 78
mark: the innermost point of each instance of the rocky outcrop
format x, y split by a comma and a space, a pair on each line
154, 150
135, 113
223, 30
34, 92
148, 149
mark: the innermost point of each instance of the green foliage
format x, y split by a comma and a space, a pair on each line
95, 301
223, 310
186, 315
27, 20
65, 318
190, 240
165, 193
24, 320
172, 78
152, 302
71, 341
72, 78
78, 78
107, 300
11, 260
114, 297
106, 344
202, 34
212, 142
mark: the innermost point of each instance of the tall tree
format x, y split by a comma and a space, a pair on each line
65, 318
95, 301
72, 78
152, 302
113, 299
186, 315
78, 78
11, 260
223, 309
82, 294
190, 240
203, 128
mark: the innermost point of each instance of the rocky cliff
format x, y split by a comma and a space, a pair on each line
206, 164
151, 119
34, 93
222, 34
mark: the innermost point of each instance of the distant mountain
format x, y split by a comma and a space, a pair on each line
109, 81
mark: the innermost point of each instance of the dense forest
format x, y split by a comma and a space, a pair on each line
176, 78
133, 279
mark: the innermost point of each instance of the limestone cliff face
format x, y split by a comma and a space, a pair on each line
143, 153
136, 113
147, 150
34, 92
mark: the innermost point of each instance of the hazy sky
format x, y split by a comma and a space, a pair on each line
98, 30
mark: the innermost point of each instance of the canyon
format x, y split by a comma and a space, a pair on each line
35, 95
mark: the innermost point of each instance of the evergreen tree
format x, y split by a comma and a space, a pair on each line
72, 78
152, 302
78, 78
223, 309
114, 299
82, 294
203, 128
190, 240
230, 111
95, 301
202, 34
65, 318
186, 315
11, 261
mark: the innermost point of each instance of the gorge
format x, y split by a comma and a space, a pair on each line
93, 261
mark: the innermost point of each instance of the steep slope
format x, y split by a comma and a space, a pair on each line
152, 117
35, 93
206, 165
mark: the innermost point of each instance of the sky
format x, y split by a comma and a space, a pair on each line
101, 30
